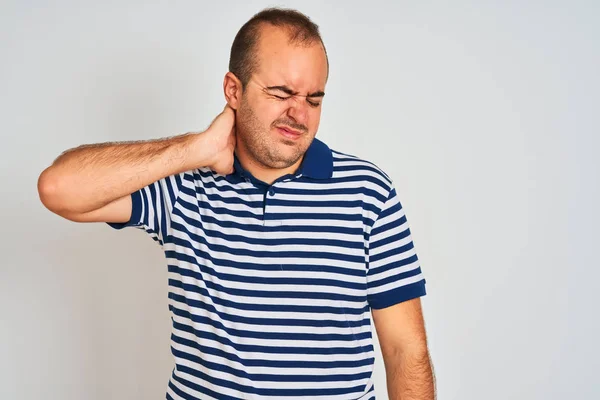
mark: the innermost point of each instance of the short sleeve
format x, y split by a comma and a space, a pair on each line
152, 207
393, 269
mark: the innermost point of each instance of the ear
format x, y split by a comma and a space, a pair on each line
232, 87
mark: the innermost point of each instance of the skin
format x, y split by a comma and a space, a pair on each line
403, 341
261, 149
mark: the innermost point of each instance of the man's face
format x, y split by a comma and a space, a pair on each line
267, 104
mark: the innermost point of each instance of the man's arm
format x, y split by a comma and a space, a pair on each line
402, 338
94, 182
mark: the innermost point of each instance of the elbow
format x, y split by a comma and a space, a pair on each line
55, 194
48, 187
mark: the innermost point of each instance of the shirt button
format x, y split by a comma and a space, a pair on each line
271, 192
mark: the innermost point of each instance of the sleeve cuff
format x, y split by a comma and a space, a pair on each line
136, 212
398, 295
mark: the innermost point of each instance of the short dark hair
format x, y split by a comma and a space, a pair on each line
243, 59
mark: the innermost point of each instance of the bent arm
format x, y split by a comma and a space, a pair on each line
94, 182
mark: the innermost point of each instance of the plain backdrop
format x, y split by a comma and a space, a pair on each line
485, 114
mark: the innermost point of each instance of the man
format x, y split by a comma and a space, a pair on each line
277, 247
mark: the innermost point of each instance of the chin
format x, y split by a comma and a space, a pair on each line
283, 160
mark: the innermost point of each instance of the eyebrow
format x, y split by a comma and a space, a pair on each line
289, 91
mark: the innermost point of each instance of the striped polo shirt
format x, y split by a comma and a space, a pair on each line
271, 286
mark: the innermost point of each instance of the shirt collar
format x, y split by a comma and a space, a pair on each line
317, 162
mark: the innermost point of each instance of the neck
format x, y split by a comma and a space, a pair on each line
262, 172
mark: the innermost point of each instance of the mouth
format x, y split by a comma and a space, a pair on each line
289, 133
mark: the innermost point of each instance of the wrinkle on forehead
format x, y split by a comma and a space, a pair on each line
287, 89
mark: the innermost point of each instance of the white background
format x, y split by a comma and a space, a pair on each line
485, 114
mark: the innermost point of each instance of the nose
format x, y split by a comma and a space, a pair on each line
298, 110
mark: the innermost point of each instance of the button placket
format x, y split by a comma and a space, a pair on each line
266, 220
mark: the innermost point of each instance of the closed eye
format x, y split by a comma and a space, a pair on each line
311, 103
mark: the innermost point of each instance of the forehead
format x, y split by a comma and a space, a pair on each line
301, 67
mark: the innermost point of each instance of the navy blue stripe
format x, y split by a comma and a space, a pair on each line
308, 254
267, 377
398, 295
275, 294
306, 241
261, 266
375, 244
360, 168
206, 219
172, 192
225, 277
398, 276
197, 388
261, 335
259, 362
275, 321
393, 252
146, 208
265, 307
153, 200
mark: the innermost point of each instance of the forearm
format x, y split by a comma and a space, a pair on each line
90, 176
410, 377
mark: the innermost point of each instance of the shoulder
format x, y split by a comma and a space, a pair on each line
350, 166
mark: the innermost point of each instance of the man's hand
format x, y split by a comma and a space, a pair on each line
219, 141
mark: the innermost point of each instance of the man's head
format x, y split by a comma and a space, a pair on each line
277, 75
